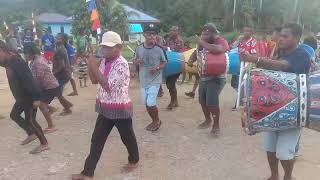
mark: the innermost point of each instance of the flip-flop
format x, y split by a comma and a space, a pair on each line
73, 94
156, 128
49, 130
39, 149
65, 113
148, 128
78, 177
28, 140
203, 126
52, 110
215, 132
129, 168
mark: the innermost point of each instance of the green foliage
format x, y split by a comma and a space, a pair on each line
112, 16
190, 15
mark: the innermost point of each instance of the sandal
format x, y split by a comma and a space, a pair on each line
40, 149
29, 139
128, 168
73, 94
80, 177
157, 127
205, 125
49, 130
65, 112
215, 132
153, 127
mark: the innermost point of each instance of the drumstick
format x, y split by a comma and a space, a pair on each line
130, 48
242, 65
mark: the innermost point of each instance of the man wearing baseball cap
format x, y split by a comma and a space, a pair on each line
151, 59
113, 104
210, 86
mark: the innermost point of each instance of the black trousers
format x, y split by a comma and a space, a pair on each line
235, 82
100, 134
29, 123
171, 81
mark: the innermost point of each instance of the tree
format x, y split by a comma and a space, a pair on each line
112, 16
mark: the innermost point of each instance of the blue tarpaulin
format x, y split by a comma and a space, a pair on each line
135, 28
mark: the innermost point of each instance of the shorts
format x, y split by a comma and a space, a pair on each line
282, 143
48, 55
171, 81
149, 95
210, 90
50, 94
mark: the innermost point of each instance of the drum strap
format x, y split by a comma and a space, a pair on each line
303, 99
228, 62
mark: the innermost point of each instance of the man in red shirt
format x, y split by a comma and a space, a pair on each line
210, 86
175, 43
248, 44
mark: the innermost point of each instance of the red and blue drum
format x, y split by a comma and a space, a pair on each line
174, 65
276, 101
218, 64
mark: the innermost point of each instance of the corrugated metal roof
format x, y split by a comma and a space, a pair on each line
136, 16
53, 18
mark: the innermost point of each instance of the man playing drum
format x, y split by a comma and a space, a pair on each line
246, 43
175, 43
281, 145
210, 86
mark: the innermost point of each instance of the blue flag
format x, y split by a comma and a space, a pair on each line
91, 5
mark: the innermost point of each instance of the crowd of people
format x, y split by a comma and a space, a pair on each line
34, 85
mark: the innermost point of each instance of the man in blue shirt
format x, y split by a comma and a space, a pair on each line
71, 54
47, 41
281, 145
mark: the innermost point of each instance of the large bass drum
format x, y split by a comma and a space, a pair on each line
276, 101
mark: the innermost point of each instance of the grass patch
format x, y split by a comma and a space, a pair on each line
1, 117
126, 52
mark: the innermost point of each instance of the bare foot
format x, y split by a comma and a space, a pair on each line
205, 125
29, 139
40, 149
128, 168
80, 177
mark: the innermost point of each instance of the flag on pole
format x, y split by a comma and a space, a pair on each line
96, 25
91, 5
94, 17
34, 27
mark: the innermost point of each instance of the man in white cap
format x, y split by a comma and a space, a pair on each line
113, 104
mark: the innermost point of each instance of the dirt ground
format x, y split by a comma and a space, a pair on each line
179, 151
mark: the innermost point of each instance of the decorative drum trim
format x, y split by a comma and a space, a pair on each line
228, 62
303, 99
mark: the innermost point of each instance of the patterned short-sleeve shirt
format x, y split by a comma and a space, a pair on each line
113, 99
